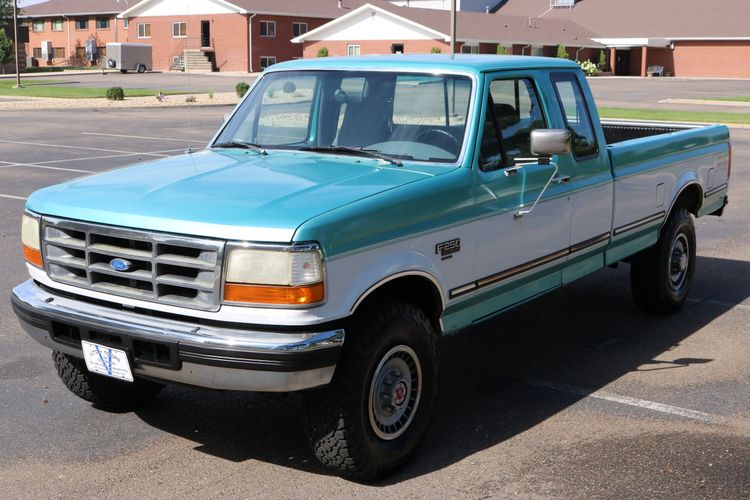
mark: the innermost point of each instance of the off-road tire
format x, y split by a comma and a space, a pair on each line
657, 284
340, 425
104, 392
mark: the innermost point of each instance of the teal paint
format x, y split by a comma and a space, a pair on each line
497, 300
629, 245
580, 267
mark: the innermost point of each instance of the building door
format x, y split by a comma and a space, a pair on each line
397, 48
622, 62
205, 33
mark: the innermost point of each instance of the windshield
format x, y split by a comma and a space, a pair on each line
401, 116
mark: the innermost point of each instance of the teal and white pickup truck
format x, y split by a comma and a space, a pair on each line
348, 212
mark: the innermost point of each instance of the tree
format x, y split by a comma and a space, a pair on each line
562, 52
7, 51
6, 13
501, 50
323, 52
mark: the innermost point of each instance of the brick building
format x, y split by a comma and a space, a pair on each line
59, 29
688, 38
384, 28
241, 35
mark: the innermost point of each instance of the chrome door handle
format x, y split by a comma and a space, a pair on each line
563, 179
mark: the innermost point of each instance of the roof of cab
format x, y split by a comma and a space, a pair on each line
464, 63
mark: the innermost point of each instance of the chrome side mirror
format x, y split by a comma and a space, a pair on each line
550, 141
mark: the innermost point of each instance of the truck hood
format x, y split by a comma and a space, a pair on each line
230, 194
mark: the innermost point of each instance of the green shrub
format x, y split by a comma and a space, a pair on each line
589, 68
562, 52
602, 61
241, 89
115, 94
501, 50
43, 69
289, 87
322, 52
435, 50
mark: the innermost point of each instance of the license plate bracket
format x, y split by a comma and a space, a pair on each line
107, 361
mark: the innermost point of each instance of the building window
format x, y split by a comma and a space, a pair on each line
469, 49
266, 61
102, 23
144, 30
82, 23
268, 29
37, 25
37, 52
299, 29
125, 23
352, 50
179, 30
57, 25
80, 54
58, 52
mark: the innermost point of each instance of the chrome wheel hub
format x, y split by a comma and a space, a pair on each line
679, 261
394, 392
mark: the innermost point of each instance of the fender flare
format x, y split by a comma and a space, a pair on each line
402, 274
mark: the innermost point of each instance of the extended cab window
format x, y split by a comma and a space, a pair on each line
513, 111
576, 115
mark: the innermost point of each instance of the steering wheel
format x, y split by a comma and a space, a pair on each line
442, 139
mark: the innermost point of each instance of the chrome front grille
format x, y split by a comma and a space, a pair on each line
162, 267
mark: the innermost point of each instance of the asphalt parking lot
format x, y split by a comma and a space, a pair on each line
578, 394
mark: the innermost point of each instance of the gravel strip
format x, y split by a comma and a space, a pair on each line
30, 103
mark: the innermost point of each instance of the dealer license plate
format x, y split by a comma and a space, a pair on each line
107, 361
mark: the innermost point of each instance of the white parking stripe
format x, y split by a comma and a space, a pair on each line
141, 137
719, 303
627, 400
11, 197
61, 146
124, 155
7, 164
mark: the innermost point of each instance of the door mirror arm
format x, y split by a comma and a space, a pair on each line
521, 213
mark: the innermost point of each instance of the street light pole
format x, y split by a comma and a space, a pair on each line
453, 27
15, 43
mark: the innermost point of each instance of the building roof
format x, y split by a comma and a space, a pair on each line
443, 63
674, 19
52, 8
477, 27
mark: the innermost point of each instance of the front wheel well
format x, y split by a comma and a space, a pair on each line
418, 291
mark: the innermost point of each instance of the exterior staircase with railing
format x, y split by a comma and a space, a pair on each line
190, 55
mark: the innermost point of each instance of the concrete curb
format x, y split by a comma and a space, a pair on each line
708, 102
44, 103
656, 122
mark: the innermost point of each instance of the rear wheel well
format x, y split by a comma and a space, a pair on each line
415, 290
691, 199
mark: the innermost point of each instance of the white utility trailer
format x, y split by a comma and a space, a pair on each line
129, 57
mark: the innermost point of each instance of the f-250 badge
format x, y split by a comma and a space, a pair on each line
446, 249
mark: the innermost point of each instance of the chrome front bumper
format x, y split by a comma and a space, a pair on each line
172, 350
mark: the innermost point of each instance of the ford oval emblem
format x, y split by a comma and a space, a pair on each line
121, 265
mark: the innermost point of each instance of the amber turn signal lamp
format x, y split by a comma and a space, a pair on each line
275, 295
32, 256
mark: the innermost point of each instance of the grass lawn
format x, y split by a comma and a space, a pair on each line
675, 116
737, 98
53, 88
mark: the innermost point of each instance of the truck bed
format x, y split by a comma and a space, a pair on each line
620, 131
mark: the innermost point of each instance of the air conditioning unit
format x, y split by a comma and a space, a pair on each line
562, 3
46, 50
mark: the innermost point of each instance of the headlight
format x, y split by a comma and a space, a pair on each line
291, 275
30, 238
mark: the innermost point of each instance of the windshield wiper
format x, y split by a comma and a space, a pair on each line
372, 153
241, 145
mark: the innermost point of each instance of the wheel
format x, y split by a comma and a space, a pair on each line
141, 68
661, 276
103, 391
372, 417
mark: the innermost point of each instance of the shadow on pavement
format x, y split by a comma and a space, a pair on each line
589, 333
